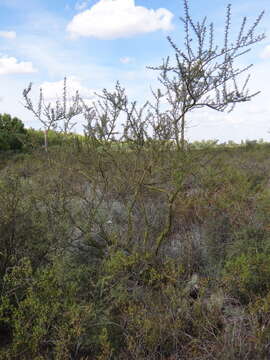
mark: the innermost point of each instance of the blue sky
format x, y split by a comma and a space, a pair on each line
97, 42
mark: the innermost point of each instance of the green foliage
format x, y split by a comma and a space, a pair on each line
35, 139
80, 274
248, 276
43, 313
12, 133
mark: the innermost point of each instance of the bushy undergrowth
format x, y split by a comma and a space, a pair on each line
122, 252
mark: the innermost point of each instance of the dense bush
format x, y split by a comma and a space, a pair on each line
248, 276
116, 252
12, 133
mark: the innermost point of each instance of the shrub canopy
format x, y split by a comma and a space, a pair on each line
12, 133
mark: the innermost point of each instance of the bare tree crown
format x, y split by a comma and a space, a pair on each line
204, 74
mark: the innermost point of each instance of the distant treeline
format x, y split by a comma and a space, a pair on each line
15, 137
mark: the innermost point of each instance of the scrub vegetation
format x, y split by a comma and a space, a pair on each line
129, 242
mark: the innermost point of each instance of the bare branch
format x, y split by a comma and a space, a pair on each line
204, 74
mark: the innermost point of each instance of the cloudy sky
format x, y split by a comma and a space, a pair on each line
97, 42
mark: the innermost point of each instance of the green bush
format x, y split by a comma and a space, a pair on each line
42, 313
247, 276
12, 133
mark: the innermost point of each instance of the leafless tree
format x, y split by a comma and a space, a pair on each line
50, 115
204, 74
104, 116
69, 112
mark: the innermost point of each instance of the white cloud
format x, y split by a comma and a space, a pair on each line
54, 90
126, 60
111, 19
8, 34
10, 65
265, 54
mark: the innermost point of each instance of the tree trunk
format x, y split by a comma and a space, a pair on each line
46, 140
182, 141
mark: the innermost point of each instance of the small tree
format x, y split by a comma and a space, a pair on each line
103, 118
50, 115
204, 74
102, 115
